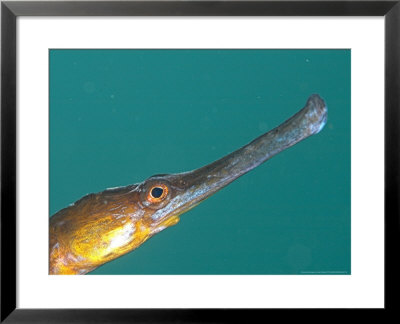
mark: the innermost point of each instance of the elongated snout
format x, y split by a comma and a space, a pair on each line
194, 186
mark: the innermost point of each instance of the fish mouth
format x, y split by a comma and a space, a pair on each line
195, 186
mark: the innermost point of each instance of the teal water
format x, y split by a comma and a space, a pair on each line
120, 116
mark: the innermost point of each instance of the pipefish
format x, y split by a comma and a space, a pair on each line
101, 227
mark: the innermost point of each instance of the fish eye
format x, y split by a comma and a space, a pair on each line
157, 193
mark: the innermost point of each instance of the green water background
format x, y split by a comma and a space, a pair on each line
120, 116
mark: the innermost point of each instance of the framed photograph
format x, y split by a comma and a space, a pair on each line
134, 136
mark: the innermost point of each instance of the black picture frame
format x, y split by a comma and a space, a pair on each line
10, 10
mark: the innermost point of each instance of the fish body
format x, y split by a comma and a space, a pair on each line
102, 226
